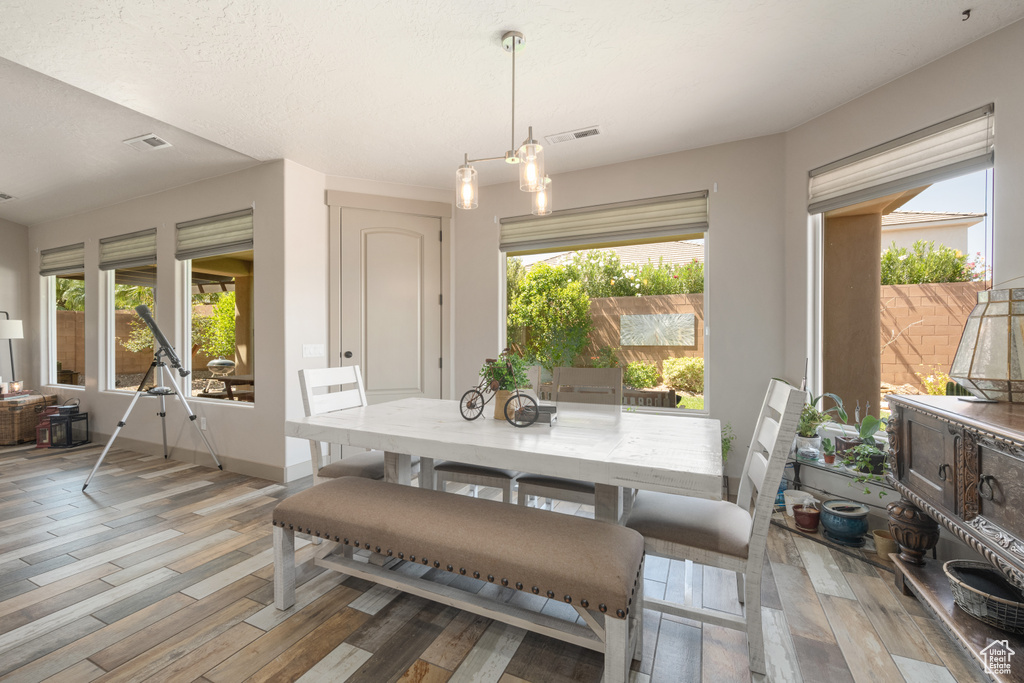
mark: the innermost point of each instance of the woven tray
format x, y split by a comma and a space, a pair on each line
991, 599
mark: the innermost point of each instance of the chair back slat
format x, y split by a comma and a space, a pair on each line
768, 433
316, 402
595, 386
757, 470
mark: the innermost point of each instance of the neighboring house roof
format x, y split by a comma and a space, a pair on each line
670, 253
912, 220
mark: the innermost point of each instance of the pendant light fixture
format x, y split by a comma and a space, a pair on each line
529, 156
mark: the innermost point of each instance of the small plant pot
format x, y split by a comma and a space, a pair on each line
829, 458
806, 518
500, 398
876, 465
884, 543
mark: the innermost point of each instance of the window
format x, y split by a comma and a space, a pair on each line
65, 266
902, 249
630, 295
219, 253
131, 260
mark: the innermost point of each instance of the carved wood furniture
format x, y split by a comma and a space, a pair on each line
624, 450
594, 566
961, 465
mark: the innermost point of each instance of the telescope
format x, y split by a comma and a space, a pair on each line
165, 346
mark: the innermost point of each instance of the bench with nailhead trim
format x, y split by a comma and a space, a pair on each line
596, 567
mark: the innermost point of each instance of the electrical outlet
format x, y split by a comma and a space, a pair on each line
202, 423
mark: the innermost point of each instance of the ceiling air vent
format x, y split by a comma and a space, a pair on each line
573, 135
147, 142
6, 197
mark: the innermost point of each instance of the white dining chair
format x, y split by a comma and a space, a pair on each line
588, 386
723, 534
323, 392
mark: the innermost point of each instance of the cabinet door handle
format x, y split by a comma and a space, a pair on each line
986, 479
942, 472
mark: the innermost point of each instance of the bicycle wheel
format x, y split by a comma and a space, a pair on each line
521, 410
472, 404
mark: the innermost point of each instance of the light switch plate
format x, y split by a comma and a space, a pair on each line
312, 350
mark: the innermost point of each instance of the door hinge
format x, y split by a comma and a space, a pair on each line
440, 299
440, 235
440, 363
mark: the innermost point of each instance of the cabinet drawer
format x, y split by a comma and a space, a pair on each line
1000, 477
929, 457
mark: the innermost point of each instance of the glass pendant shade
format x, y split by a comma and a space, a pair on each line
531, 166
466, 191
990, 359
542, 199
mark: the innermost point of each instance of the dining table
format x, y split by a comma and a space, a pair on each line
616, 450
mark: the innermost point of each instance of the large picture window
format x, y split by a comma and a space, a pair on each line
130, 261
630, 293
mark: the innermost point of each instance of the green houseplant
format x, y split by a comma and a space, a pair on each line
867, 458
807, 443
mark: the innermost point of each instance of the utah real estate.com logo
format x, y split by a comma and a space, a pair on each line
997, 657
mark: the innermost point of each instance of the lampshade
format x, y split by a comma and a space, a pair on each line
542, 199
11, 329
990, 359
466, 194
531, 165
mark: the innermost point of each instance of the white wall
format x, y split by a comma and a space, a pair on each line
246, 437
985, 71
14, 296
744, 278
952, 237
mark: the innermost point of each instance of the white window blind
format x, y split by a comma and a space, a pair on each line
69, 259
128, 251
655, 219
221, 234
954, 147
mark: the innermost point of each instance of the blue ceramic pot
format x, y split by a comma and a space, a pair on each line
845, 522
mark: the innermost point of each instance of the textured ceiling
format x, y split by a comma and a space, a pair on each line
398, 91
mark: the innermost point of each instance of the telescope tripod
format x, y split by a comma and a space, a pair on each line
162, 392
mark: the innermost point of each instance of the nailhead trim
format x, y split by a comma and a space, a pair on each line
551, 594
519, 585
568, 598
584, 604
504, 582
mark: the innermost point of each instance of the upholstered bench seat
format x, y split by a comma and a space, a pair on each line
594, 566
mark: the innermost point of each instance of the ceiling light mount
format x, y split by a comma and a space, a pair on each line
528, 156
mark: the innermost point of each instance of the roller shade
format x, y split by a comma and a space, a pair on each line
221, 234
69, 259
128, 251
954, 147
656, 219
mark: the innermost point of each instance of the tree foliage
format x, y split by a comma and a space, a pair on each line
926, 263
603, 274
70, 294
555, 310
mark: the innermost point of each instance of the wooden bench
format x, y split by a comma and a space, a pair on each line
594, 566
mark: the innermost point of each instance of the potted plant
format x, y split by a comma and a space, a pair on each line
503, 375
807, 443
867, 458
828, 451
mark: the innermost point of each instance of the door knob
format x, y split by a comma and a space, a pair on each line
348, 354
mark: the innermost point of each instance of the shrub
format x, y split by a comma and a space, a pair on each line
934, 383
602, 275
685, 374
640, 374
606, 357
924, 263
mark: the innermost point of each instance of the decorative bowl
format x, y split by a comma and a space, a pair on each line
845, 522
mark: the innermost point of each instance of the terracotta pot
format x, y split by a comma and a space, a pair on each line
829, 458
884, 543
806, 517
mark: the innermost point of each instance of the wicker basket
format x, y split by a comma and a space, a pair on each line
18, 418
1001, 612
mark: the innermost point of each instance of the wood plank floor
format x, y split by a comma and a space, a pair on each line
163, 572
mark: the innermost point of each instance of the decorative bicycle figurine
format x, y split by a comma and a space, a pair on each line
520, 409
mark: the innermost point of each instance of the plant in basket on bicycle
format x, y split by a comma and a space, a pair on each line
509, 371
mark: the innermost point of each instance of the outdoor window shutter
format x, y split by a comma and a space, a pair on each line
221, 234
954, 147
655, 219
69, 259
128, 251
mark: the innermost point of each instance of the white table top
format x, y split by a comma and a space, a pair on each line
673, 454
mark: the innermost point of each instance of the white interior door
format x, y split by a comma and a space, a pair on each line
391, 302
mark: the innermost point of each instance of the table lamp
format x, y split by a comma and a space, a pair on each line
11, 329
990, 359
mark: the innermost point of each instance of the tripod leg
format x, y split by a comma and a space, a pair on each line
163, 423
192, 417
124, 420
